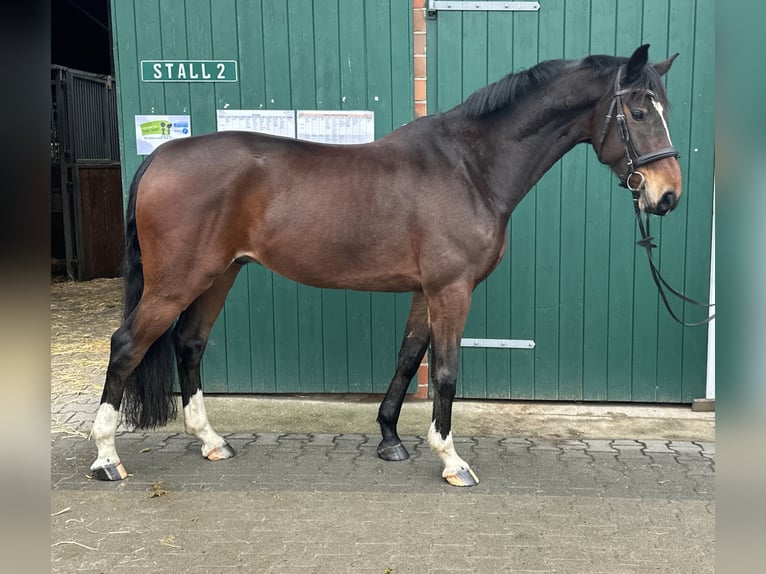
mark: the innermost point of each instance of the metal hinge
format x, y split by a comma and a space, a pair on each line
498, 343
489, 5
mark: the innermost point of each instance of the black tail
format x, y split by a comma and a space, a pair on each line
148, 401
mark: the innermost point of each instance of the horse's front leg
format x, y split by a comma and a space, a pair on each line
448, 309
414, 345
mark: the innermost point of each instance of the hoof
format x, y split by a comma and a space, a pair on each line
393, 453
220, 453
110, 472
462, 477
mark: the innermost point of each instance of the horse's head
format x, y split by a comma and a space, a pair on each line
630, 133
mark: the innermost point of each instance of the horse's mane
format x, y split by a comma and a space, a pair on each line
509, 89
516, 86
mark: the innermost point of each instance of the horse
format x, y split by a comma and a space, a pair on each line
424, 209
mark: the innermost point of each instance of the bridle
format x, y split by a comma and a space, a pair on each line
635, 161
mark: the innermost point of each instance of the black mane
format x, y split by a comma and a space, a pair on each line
515, 86
509, 89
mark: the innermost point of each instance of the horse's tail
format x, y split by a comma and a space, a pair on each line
148, 401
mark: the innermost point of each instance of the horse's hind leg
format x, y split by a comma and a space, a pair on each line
129, 345
414, 345
448, 311
190, 338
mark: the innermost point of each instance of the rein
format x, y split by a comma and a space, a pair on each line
659, 280
634, 162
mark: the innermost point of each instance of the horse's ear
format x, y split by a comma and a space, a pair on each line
636, 63
663, 67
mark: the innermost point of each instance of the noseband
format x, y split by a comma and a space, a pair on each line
635, 160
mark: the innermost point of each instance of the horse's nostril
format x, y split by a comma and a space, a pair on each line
667, 202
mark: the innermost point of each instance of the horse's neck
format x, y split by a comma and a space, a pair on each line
525, 144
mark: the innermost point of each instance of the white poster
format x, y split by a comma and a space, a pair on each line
272, 122
152, 131
336, 127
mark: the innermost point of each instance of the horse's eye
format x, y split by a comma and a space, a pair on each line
637, 113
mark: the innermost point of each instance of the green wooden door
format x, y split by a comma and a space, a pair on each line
573, 280
274, 335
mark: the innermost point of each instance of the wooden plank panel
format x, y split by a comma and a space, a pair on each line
286, 335
378, 59
335, 341
378, 44
646, 310
402, 71
522, 235
202, 95
622, 259
548, 240
353, 69
353, 96
310, 339
699, 185
276, 52
573, 199
609, 315
223, 33
301, 53
197, 24
359, 341
149, 47
402, 310
473, 368
499, 62
238, 342
384, 341
449, 61
280, 331
252, 67
173, 18
593, 214
326, 55
335, 357
303, 92
672, 240
262, 339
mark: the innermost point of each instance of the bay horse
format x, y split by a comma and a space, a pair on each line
423, 210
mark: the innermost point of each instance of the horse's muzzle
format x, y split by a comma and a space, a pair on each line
665, 205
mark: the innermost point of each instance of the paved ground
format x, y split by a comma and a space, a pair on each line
326, 503
564, 488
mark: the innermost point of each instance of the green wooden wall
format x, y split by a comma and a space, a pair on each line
573, 279
275, 335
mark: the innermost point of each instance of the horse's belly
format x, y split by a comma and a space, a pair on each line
361, 270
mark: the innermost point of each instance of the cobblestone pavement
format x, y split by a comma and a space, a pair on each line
325, 503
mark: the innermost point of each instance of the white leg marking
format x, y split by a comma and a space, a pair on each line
104, 428
661, 110
196, 424
445, 448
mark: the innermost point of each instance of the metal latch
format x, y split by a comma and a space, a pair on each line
498, 343
488, 5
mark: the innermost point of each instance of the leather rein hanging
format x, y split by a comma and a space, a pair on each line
635, 161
